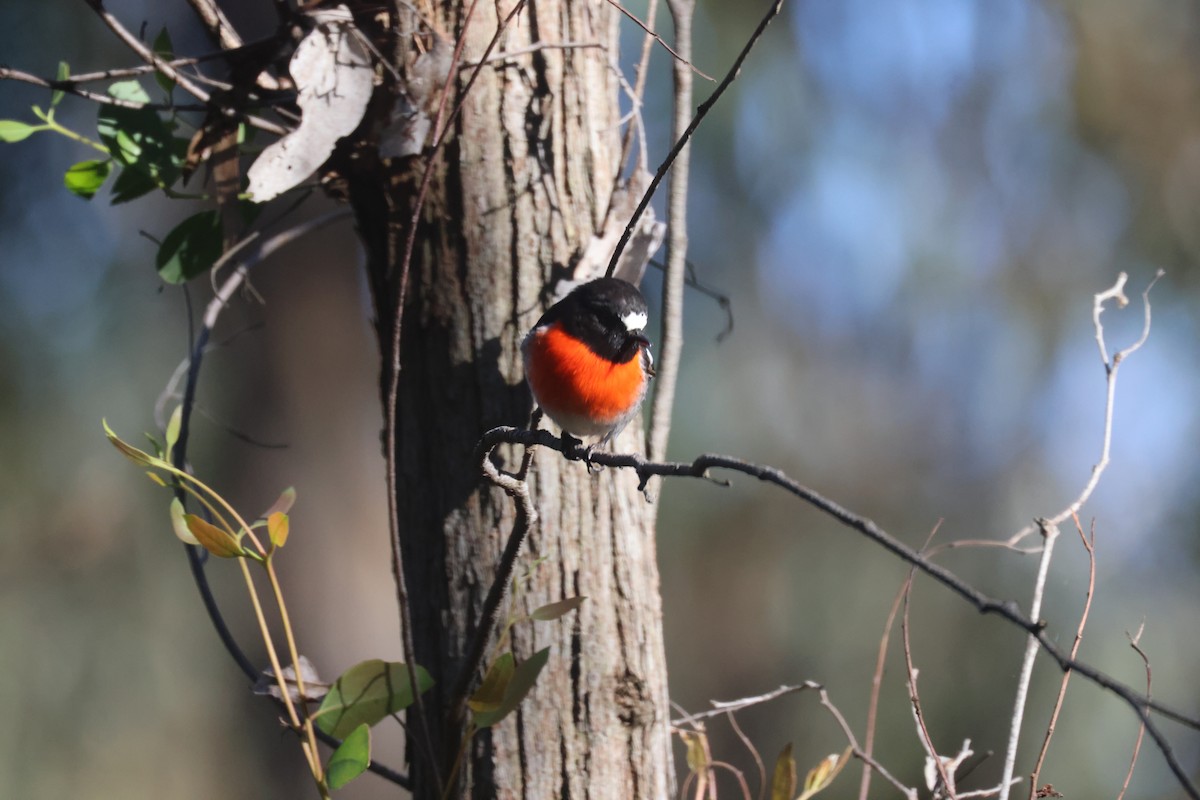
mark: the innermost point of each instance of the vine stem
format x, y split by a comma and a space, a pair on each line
294, 653
308, 746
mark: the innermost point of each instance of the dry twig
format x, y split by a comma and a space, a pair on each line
1090, 546
1007, 610
671, 344
1049, 527
1137, 745
701, 112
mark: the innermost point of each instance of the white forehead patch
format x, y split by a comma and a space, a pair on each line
634, 321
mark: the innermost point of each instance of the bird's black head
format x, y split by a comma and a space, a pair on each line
608, 314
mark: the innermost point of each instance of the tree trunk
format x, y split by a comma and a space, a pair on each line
523, 183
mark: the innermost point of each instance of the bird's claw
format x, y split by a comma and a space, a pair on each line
592, 466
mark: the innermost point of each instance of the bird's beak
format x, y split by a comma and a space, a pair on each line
641, 339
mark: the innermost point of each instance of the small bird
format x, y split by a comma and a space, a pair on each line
588, 361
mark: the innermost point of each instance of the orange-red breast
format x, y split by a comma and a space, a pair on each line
588, 361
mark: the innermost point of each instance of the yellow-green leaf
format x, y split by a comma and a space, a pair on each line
277, 528
552, 611
179, 523
820, 776
524, 677
366, 693
86, 177
12, 130
783, 782
139, 457
351, 759
154, 476
697, 751
490, 693
173, 426
216, 541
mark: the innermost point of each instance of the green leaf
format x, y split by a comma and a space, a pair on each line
783, 781
523, 679
179, 523
490, 693
63, 73
131, 91
131, 184
140, 140
166, 51
351, 759
191, 248
128, 149
367, 693
553, 611
216, 541
139, 457
173, 426
85, 178
277, 528
12, 130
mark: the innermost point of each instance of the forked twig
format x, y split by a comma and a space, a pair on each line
164, 66
914, 697
1049, 527
1007, 610
860, 754
701, 112
1090, 546
1137, 745
682, 59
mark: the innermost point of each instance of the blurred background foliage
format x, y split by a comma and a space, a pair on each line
910, 204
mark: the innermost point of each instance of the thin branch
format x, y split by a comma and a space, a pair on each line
1050, 531
737, 773
227, 37
164, 66
1137, 745
720, 707
70, 86
1090, 547
701, 112
749, 745
1007, 610
877, 684
536, 47
679, 58
526, 519
1049, 527
914, 697
860, 754
145, 53
671, 344
440, 128
217, 23
1115, 292
639, 90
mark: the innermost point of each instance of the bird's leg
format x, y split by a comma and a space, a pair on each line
592, 466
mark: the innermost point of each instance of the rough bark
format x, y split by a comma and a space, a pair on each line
523, 183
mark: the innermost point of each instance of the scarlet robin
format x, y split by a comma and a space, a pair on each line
588, 360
